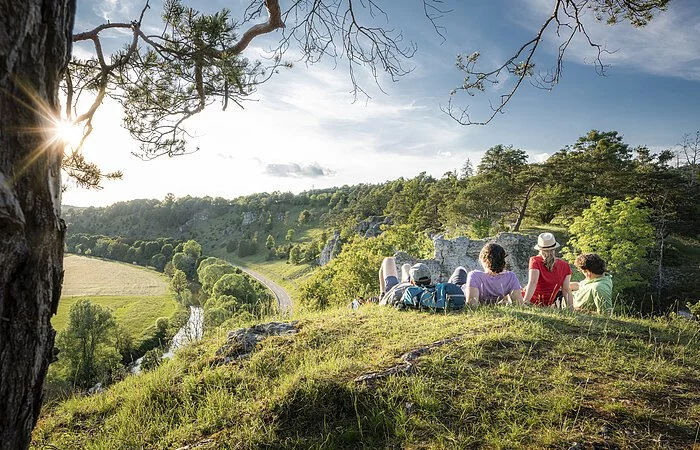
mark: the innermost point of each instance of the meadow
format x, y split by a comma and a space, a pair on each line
135, 295
86, 276
503, 378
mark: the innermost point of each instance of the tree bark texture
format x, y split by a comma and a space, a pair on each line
35, 45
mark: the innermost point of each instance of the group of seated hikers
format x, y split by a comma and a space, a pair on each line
549, 282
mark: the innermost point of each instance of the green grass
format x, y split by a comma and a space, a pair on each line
97, 277
136, 296
517, 378
135, 313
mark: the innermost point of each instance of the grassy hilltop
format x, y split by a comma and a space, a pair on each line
511, 378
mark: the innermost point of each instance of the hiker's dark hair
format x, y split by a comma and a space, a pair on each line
494, 257
591, 262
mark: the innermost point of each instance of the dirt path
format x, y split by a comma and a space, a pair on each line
283, 299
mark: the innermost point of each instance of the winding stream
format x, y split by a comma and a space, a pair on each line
190, 332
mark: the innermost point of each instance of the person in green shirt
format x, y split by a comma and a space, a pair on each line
595, 292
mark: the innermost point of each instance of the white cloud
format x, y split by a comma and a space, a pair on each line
295, 170
119, 10
668, 46
540, 157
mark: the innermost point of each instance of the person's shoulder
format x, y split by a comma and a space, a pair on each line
509, 274
473, 275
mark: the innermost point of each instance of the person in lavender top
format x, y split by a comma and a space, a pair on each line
494, 285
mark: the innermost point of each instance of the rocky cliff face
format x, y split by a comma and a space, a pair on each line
371, 226
462, 251
330, 250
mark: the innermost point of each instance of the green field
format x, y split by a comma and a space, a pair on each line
136, 296
135, 313
504, 378
94, 276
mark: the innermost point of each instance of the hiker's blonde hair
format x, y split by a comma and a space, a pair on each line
549, 256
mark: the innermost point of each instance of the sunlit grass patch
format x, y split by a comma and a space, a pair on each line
135, 313
514, 378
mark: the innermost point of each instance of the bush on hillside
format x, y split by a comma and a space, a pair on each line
621, 234
353, 272
152, 359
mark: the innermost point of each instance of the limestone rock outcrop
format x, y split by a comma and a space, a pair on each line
241, 342
330, 250
462, 251
371, 226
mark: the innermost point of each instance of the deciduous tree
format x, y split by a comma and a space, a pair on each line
178, 284
89, 329
620, 233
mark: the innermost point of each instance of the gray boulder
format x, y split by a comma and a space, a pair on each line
462, 251
241, 342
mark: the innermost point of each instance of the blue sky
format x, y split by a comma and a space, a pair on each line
303, 130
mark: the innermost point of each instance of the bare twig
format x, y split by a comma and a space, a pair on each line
408, 360
565, 18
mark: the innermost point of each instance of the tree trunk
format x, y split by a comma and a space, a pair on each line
523, 208
35, 44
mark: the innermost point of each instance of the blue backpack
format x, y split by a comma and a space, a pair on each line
442, 296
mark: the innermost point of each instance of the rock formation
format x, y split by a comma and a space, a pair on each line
371, 226
330, 250
462, 251
241, 342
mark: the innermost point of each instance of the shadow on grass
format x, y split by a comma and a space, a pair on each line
329, 414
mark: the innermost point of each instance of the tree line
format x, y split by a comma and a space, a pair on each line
156, 253
503, 191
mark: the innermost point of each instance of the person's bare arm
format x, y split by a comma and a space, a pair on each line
473, 296
533, 277
566, 291
516, 297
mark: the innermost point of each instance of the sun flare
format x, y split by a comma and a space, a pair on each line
69, 133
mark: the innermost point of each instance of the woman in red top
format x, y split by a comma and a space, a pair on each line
548, 275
